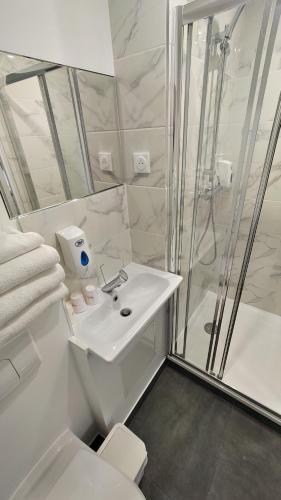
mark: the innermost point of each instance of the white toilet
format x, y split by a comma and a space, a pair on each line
70, 470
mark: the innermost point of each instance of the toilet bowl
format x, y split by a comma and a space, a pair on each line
70, 470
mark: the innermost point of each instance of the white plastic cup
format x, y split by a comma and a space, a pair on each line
91, 295
77, 302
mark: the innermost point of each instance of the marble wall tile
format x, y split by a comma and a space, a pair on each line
260, 297
263, 280
109, 142
47, 222
103, 217
47, 182
236, 99
262, 139
61, 100
98, 98
139, 32
270, 217
102, 186
74, 165
29, 116
147, 209
148, 249
142, 140
137, 26
76, 177
195, 92
273, 191
263, 266
114, 253
39, 152
104, 213
229, 143
141, 89
108, 211
49, 201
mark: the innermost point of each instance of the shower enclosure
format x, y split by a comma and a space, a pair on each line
225, 196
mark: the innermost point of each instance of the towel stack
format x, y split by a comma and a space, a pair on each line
30, 281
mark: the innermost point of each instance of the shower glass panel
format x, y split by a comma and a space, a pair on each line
252, 364
228, 311
223, 52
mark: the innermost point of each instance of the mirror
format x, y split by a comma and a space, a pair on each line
59, 133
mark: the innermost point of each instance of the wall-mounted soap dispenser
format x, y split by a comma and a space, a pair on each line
76, 252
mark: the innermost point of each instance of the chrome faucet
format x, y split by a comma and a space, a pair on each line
121, 278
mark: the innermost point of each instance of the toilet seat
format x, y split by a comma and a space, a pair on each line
70, 470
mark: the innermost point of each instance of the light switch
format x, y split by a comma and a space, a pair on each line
9, 378
105, 162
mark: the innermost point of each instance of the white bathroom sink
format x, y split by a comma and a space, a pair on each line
104, 331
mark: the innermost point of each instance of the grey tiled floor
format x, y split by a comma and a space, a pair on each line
202, 446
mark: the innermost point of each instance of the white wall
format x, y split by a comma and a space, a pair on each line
63, 31
48, 402
77, 34
34, 415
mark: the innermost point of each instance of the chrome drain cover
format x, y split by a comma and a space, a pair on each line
126, 312
208, 328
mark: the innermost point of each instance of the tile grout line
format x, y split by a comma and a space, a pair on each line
140, 52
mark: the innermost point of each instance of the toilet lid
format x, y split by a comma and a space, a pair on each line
88, 477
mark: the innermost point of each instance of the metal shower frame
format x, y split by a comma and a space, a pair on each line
183, 16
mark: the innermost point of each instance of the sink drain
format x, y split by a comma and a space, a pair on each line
126, 312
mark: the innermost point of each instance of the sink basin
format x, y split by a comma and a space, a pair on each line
103, 330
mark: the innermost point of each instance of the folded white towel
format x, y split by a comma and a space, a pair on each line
16, 300
19, 323
22, 268
14, 243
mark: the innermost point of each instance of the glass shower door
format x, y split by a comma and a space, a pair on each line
222, 63
251, 326
252, 351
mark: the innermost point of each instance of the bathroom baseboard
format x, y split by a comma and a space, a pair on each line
145, 393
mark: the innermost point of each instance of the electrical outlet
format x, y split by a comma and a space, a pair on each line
105, 162
142, 163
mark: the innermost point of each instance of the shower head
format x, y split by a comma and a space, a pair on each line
224, 36
231, 26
